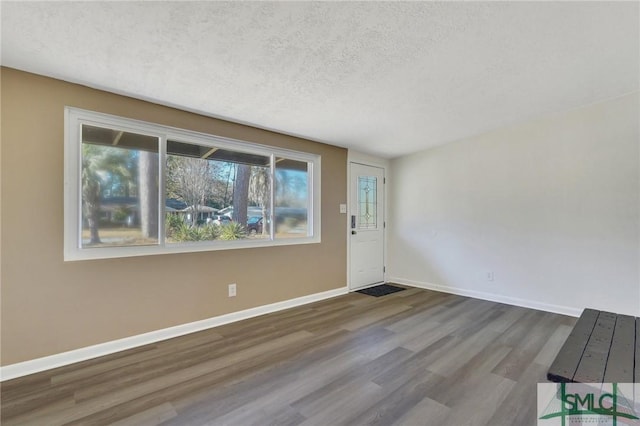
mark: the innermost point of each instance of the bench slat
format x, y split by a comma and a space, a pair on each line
619, 367
637, 363
594, 360
566, 363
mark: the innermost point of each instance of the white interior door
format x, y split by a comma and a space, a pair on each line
366, 222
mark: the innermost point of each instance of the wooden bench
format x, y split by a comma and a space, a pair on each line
602, 348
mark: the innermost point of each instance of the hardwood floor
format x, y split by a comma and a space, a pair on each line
415, 357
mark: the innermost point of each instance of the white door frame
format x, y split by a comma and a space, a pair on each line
367, 160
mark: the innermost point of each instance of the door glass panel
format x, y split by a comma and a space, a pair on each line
367, 202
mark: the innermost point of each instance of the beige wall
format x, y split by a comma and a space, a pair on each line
49, 306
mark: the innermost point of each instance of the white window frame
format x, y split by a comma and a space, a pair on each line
75, 118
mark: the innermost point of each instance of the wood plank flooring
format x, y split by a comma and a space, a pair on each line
416, 357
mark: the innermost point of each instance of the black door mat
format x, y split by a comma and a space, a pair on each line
380, 290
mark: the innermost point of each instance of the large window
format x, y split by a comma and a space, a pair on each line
134, 188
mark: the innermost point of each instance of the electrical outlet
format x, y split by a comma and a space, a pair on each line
232, 290
490, 276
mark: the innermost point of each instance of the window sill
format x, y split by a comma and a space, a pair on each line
74, 254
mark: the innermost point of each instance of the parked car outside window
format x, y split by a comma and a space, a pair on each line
254, 225
220, 219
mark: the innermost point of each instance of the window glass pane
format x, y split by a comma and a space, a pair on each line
119, 188
367, 202
215, 194
291, 198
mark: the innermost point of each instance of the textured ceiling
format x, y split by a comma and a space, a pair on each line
383, 78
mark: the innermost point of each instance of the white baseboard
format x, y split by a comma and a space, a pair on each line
556, 309
20, 369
